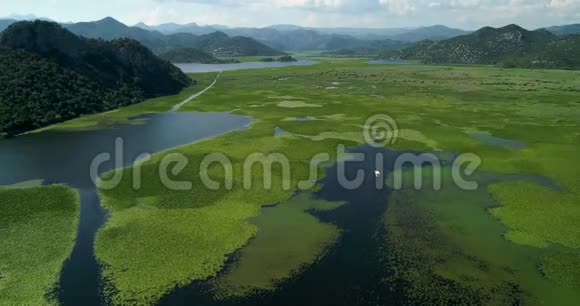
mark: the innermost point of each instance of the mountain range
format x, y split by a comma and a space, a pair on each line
217, 43
296, 38
222, 40
509, 46
402, 34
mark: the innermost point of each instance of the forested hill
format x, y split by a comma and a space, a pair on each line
510, 46
50, 75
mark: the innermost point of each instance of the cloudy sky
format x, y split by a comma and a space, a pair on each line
467, 14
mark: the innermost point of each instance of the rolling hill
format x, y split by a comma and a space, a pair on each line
436, 32
51, 75
510, 46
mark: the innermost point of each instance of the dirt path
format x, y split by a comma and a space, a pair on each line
178, 106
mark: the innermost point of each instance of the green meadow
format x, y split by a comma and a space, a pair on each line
38, 227
514, 239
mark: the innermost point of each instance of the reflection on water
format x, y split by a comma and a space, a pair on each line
65, 157
200, 68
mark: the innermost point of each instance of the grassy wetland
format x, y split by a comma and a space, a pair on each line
513, 240
37, 231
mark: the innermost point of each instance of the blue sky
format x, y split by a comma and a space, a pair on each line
467, 14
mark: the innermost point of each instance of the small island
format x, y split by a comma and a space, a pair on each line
283, 59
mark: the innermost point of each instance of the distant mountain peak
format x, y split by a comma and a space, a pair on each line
110, 20
284, 27
218, 34
513, 27
435, 26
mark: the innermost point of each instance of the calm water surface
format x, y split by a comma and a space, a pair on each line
199, 68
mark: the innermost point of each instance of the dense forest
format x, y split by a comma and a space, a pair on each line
282, 59
51, 75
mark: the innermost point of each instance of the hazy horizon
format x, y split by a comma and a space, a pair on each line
23, 17
463, 14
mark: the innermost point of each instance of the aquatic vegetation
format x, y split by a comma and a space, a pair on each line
534, 218
445, 243
563, 268
445, 246
201, 225
38, 227
183, 245
288, 238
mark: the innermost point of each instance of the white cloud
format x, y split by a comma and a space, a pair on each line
566, 8
470, 14
399, 7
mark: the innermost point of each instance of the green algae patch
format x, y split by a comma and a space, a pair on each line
536, 215
288, 238
38, 227
147, 252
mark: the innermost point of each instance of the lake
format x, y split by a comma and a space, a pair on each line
65, 158
200, 68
